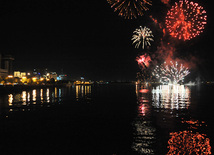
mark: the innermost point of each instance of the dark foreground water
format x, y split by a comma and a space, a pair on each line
108, 119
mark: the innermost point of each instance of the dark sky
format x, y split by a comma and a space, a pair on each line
85, 38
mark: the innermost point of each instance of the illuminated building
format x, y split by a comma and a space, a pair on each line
19, 74
6, 65
53, 75
23, 74
62, 77
44, 74
35, 71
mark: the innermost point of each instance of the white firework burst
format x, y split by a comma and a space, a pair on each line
172, 73
142, 36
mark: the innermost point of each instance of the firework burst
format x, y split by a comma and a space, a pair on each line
143, 61
173, 73
186, 20
130, 8
142, 36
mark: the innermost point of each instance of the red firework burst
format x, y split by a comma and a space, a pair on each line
185, 20
130, 8
143, 61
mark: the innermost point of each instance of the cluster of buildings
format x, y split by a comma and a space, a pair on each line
39, 75
35, 76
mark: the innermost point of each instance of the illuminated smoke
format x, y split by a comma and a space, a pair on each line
165, 1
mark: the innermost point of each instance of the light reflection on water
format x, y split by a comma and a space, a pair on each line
162, 103
171, 97
25, 100
189, 141
160, 122
44, 97
83, 92
144, 131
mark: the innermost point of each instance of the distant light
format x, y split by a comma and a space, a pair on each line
34, 79
10, 76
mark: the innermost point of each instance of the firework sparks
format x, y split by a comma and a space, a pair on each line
186, 20
143, 61
172, 73
130, 8
142, 36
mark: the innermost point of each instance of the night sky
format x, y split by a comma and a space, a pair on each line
87, 38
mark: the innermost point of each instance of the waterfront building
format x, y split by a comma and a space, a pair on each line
62, 77
19, 74
23, 74
6, 65
53, 75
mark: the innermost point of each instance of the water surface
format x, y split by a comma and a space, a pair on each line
107, 119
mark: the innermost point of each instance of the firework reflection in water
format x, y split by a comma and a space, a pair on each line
189, 141
171, 97
144, 132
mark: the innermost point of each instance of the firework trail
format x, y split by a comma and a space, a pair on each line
142, 36
172, 73
130, 8
185, 20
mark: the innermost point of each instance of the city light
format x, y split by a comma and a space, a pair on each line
10, 76
34, 79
